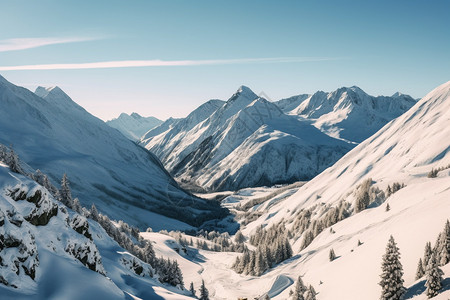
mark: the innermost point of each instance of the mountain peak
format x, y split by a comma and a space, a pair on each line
136, 116
243, 91
54, 92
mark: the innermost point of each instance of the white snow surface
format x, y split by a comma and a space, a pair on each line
59, 275
237, 145
404, 151
134, 126
348, 113
57, 136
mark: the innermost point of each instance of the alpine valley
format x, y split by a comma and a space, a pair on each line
338, 195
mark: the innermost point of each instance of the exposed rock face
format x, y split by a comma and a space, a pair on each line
87, 254
81, 225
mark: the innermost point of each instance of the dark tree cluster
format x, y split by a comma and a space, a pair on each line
396, 186
309, 229
273, 247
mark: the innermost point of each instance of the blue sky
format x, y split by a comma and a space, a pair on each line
192, 51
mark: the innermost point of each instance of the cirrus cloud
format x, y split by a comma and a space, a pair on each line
161, 63
29, 43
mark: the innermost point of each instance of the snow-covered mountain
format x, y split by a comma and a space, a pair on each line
326, 214
245, 141
54, 134
347, 113
133, 126
50, 252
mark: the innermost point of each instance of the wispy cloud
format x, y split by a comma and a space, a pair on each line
28, 43
162, 63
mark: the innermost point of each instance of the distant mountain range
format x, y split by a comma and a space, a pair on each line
52, 133
134, 126
249, 141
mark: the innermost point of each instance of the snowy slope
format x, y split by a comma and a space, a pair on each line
238, 144
404, 151
134, 126
173, 130
348, 113
37, 262
125, 181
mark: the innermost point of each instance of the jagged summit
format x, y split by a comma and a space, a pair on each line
136, 116
134, 126
243, 93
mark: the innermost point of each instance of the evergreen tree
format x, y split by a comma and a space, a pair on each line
427, 255
94, 213
444, 245
65, 195
392, 272
204, 294
300, 290
310, 293
191, 289
388, 208
12, 160
239, 237
77, 206
332, 255
420, 271
434, 277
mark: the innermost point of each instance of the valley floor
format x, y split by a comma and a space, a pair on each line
418, 213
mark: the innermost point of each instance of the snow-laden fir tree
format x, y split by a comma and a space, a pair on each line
427, 255
300, 290
65, 195
388, 207
434, 277
332, 255
310, 293
444, 245
12, 160
392, 273
239, 237
420, 270
192, 289
94, 213
204, 294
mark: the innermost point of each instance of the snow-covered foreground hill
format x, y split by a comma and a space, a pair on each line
246, 141
54, 134
401, 154
50, 252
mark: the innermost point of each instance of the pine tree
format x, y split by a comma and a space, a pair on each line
77, 206
65, 195
444, 245
94, 213
191, 289
239, 237
434, 277
12, 160
388, 208
332, 255
392, 272
310, 293
420, 271
300, 289
427, 255
204, 294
